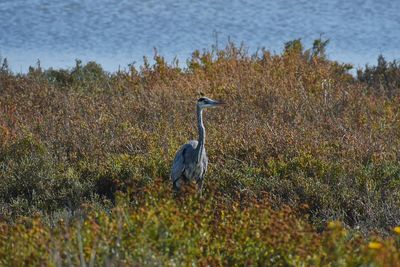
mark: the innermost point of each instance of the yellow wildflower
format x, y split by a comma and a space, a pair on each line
374, 245
397, 230
258, 234
334, 225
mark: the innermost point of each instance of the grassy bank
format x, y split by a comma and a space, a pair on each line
304, 162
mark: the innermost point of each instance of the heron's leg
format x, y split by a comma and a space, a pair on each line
176, 185
200, 185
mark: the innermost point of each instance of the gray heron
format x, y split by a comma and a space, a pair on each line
191, 160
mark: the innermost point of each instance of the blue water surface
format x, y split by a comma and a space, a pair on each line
118, 32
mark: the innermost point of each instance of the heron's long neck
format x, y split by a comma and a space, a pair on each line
202, 134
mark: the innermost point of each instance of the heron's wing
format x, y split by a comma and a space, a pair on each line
178, 166
183, 158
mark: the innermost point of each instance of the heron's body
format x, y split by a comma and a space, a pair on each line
191, 160
186, 168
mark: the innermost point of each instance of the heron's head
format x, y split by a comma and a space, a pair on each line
205, 102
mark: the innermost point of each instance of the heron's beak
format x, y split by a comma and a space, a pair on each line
217, 103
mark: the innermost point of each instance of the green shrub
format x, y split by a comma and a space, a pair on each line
31, 182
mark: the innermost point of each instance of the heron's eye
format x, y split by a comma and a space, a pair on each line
202, 99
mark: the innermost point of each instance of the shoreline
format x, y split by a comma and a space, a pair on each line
20, 61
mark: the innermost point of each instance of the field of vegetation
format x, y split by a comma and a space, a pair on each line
304, 163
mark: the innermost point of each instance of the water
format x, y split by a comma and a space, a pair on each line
118, 32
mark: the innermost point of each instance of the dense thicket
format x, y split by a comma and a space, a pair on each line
300, 143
